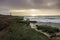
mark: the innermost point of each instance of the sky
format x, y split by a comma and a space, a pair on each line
45, 7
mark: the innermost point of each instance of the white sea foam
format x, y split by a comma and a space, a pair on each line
44, 19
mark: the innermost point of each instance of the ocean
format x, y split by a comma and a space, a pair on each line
51, 19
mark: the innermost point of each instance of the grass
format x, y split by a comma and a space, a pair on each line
17, 31
48, 29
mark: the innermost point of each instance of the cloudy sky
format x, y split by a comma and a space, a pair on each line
47, 5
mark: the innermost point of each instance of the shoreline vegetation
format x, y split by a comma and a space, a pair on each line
15, 28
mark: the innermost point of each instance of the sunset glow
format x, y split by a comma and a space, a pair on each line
34, 12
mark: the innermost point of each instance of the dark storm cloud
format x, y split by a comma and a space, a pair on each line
39, 4
50, 4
